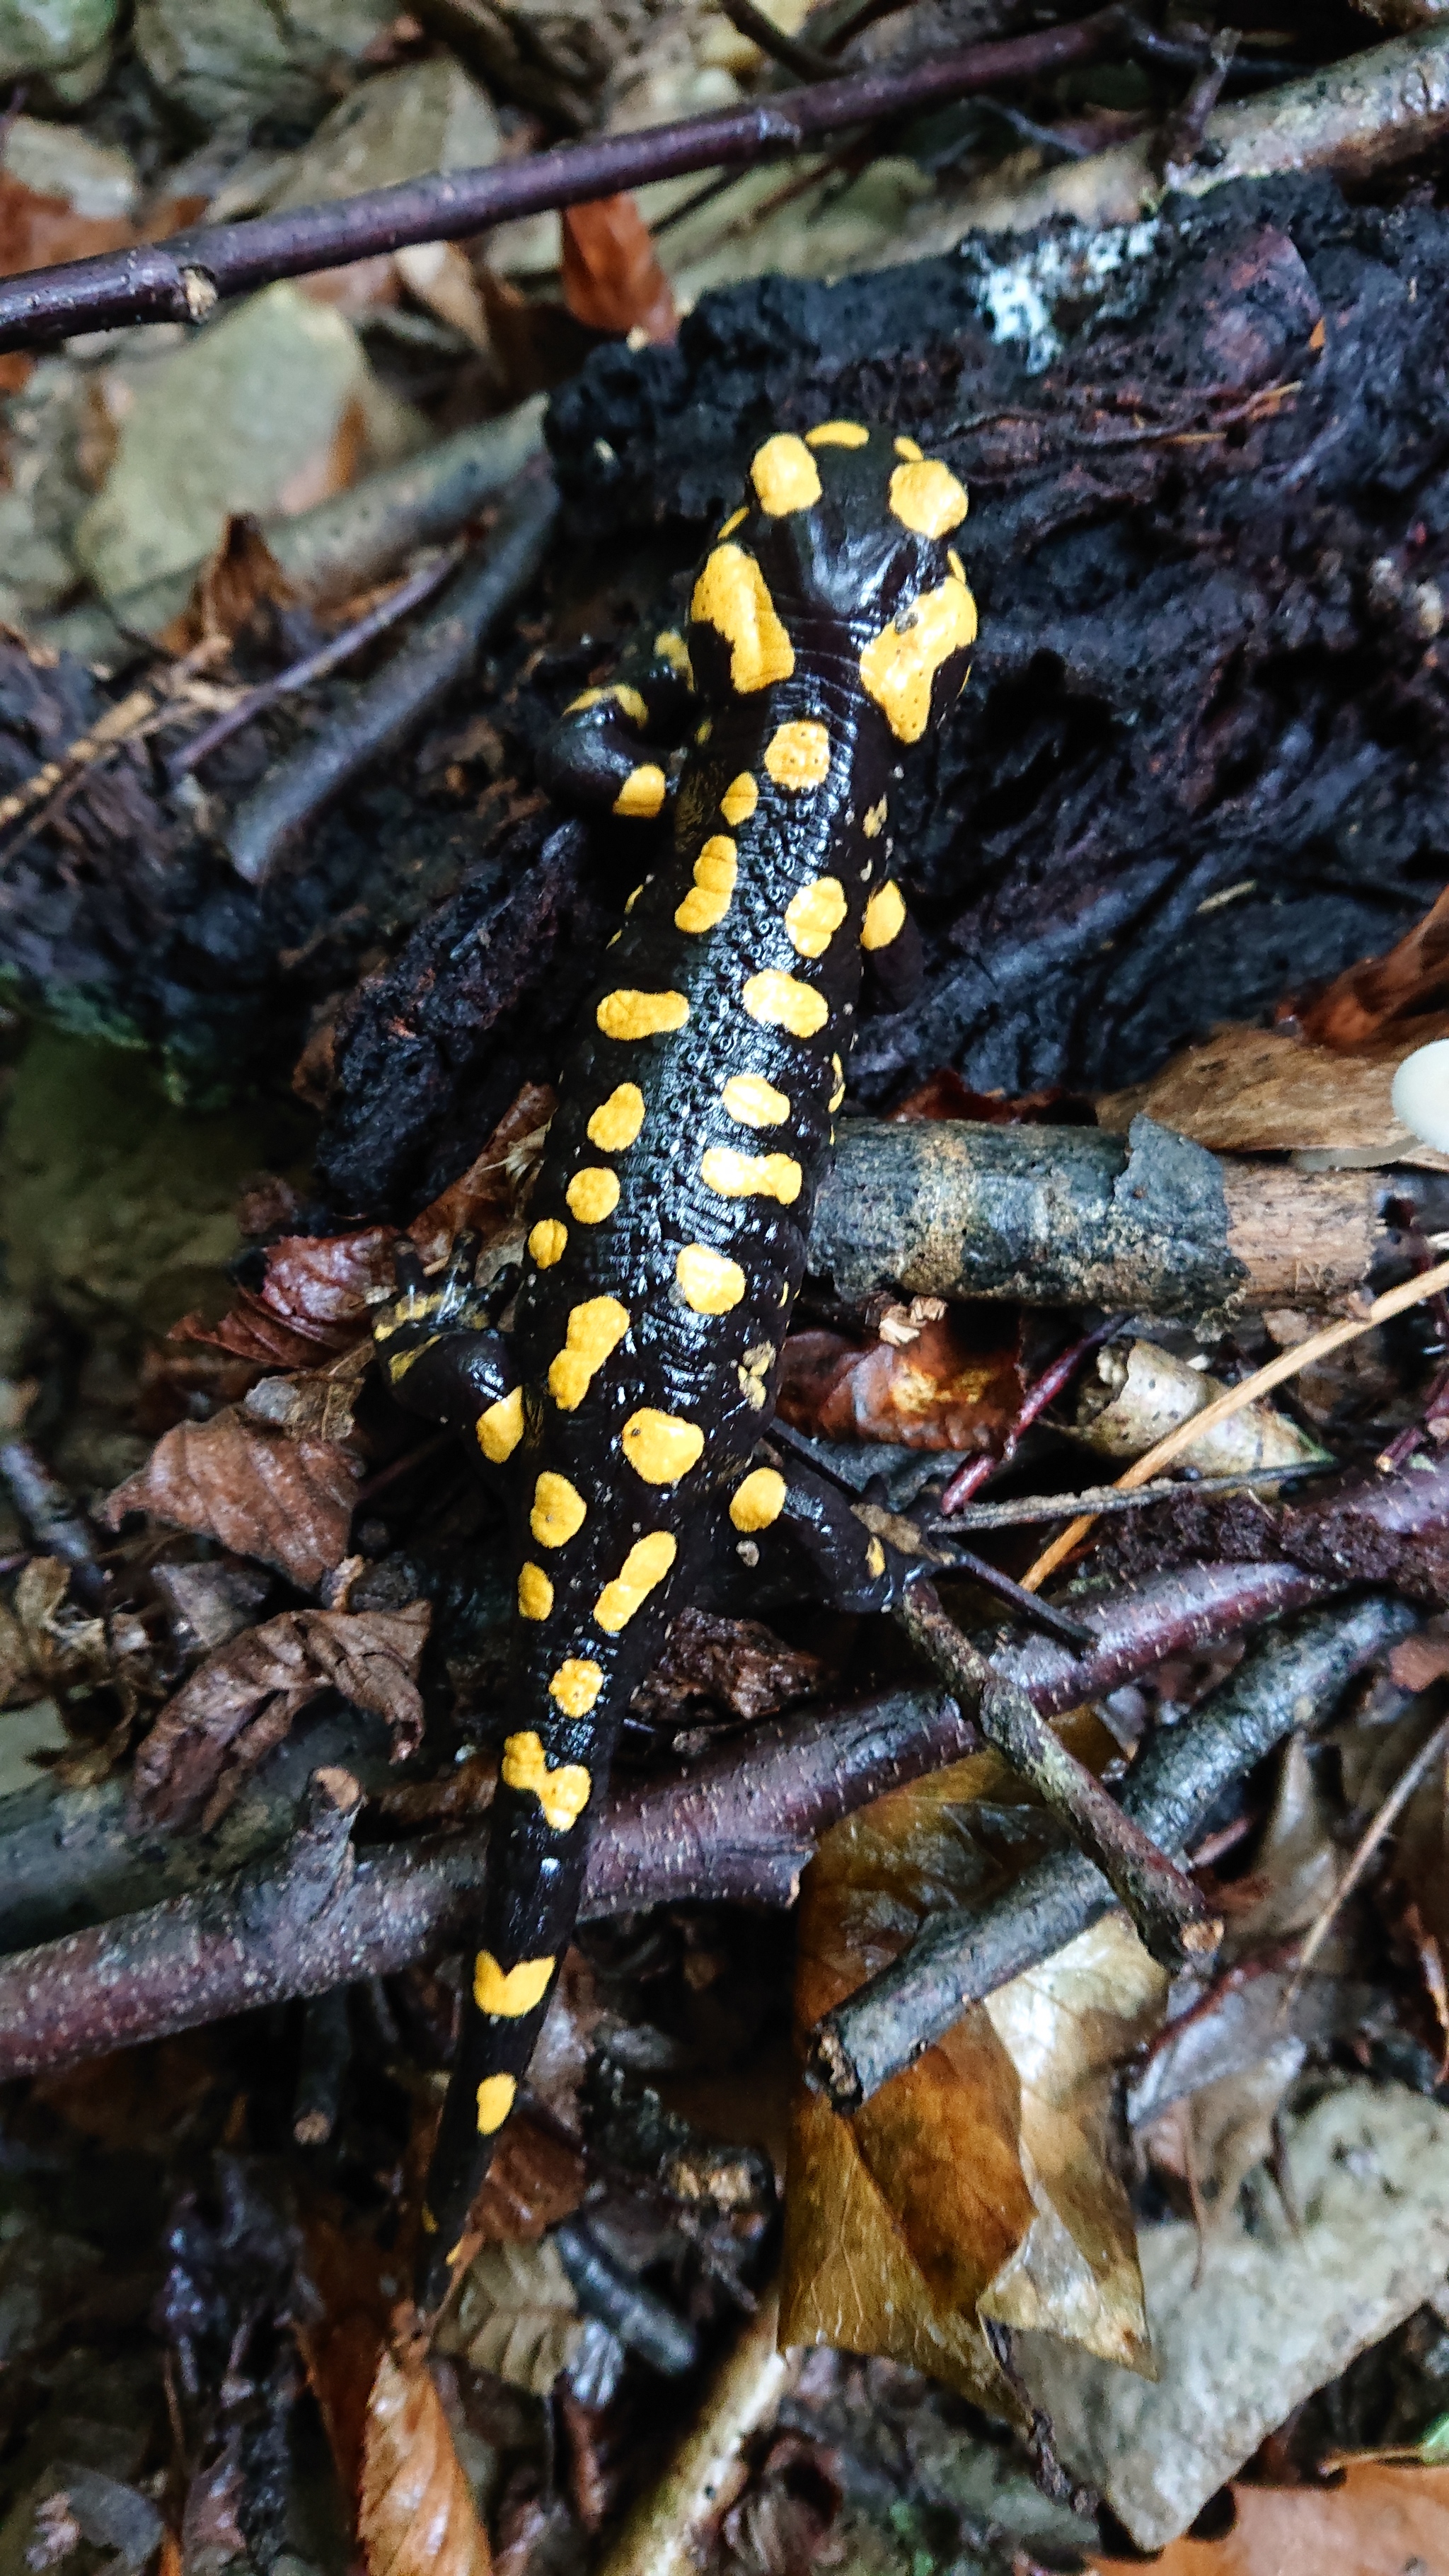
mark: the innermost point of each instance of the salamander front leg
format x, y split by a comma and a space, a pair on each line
598, 755
437, 1341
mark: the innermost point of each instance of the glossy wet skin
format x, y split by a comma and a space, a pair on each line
831, 623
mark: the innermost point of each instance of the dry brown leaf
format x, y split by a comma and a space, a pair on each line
979, 2183
516, 2316
611, 274
493, 1180
340, 2322
416, 2516
940, 1390
288, 1502
241, 576
743, 1665
535, 2179
1260, 1091
1382, 2521
35, 230
244, 1700
318, 1404
1398, 986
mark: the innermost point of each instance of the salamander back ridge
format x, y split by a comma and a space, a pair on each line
628, 1408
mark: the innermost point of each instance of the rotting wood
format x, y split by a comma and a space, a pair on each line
1149, 1224
662, 2531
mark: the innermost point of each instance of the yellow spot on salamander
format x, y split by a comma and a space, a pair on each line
813, 916
576, 1685
642, 793
631, 899
660, 1447
594, 1330
733, 596
838, 1094
797, 755
900, 663
927, 498
546, 1241
670, 647
617, 1121
509, 1993
495, 2101
957, 566
708, 899
562, 1793
707, 1281
535, 1592
753, 1102
875, 1557
430, 2224
739, 800
752, 1176
885, 916
641, 1015
627, 700
735, 520
500, 1429
780, 1001
838, 433
759, 1500
873, 821
646, 1564
785, 475
908, 450
592, 1194
558, 1510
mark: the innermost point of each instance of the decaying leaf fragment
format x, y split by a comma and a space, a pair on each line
1259, 1091
244, 1700
288, 1502
611, 273
978, 2185
516, 2316
938, 1390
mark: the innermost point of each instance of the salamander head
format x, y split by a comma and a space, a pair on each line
846, 547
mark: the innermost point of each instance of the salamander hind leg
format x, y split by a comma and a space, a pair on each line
436, 1341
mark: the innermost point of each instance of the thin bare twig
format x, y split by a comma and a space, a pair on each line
1396, 1301
183, 278
1103, 1499
803, 60
1363, 1852
968, 1480
330, 656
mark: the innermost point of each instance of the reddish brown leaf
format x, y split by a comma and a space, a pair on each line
943, 1094
288, 1502
250, 1332
416, 2516
611, 274
938, 1390
341, 2328
492, 1181
241, 576
320, 1282
1410, 979
35, 230
535, 2179
243, 1701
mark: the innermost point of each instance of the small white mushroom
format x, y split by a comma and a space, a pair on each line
1421, 1094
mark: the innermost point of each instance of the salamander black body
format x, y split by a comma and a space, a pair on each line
830, 625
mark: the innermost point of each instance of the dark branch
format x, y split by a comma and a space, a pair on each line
180, 280
740, 1827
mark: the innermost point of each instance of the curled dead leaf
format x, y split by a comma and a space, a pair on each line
1259, 1091
981, 2182
1360, 1003
611, 274
244, 1700
288, 1502
942, 1389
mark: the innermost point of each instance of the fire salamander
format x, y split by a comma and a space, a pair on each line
830, 625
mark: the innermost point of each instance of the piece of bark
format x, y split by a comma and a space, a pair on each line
1134, 1397
1260, 1091
1058, 1216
